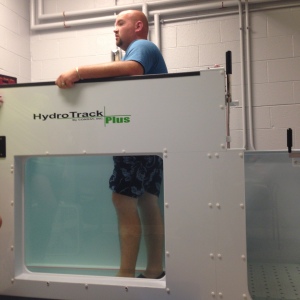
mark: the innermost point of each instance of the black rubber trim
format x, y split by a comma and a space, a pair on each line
141, 77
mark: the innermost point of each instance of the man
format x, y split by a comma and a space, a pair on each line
142, 175
130, 26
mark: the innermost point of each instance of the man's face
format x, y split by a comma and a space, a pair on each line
124, 31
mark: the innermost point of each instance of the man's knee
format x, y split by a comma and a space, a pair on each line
121, 201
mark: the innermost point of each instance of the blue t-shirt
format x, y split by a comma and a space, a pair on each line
148, 55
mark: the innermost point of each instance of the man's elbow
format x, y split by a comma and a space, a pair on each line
135, 68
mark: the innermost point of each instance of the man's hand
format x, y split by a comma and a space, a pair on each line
66, 80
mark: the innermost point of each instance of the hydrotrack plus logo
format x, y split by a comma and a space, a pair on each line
84, 116
74, 115
116, 119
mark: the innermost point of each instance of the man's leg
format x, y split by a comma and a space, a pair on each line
154, 234
129, 232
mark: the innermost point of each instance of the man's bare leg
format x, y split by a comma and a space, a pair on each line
129, 233
154, 234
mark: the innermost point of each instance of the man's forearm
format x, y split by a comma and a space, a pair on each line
111, 69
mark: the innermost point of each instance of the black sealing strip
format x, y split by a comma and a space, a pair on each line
171, 75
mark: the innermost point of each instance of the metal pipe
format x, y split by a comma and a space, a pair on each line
74, 23
278, 6
110, 9
84, 13
212, 15
145, 9
242, 46
146, 12
32, 14
87, 21
157, 30
203, 6
249, 81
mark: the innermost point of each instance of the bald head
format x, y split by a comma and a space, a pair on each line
137, 16
130, 25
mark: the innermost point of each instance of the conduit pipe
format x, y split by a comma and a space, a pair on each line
145, 9
204, 6
198, 17
104, 19
242, 74
157, 30
146, 12
111, 9
277, 6
87, 21
193, 8
249, 78
65, 23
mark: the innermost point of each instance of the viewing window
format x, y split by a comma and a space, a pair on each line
71, 225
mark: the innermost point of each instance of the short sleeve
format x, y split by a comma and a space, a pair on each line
148, 55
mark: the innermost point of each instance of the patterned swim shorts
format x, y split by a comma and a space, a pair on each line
134, 175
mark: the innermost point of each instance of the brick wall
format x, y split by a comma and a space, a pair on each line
15, 39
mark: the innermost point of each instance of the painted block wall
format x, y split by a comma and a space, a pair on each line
15, 39
15, 48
